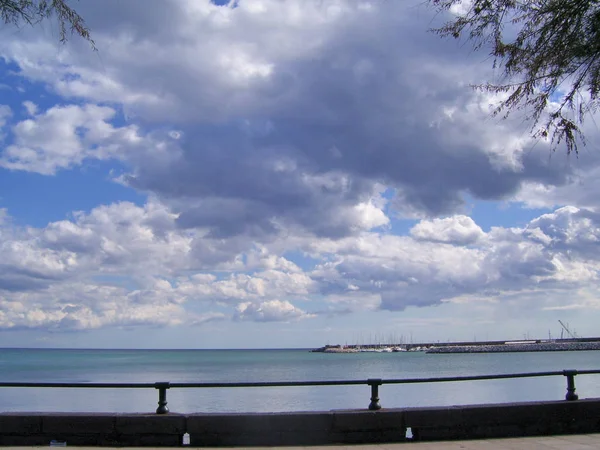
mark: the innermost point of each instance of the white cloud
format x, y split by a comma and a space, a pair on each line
122, 265
460, 230
270, 311
109, 268
63, 136
555, 251
79, 306
30, 107
122, 236
241, 287
570, 230
399, 269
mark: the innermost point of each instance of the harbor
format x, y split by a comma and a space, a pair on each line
534, 345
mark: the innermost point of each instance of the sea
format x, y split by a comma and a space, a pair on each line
195, 366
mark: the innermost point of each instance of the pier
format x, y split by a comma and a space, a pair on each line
367, 425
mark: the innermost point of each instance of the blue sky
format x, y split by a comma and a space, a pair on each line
278, 174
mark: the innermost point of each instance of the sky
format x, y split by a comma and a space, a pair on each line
279, 173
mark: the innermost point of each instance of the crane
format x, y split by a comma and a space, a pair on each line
567, 329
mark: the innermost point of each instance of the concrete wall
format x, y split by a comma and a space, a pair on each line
92, 429
306, 428
318, 428
504, 420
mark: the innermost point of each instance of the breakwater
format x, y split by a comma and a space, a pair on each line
308, 428
534, 345
518, 347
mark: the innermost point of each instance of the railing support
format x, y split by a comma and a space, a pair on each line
162, 397
374, 383
571, 395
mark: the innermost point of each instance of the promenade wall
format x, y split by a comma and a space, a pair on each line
303, 428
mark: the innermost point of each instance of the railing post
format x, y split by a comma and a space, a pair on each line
162, 397
570, 374
374, 383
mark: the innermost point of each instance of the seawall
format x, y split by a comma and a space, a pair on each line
303, 428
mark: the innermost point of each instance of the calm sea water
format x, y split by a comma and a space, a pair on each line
278, 365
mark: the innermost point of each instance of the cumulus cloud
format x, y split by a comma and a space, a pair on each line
400, 270
554, 251
120, 236
79, 306
460, 230
270, 311
571, 230
238, 287
124, 265
63, 136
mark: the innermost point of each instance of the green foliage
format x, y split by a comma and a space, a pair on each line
549, 54
32, 12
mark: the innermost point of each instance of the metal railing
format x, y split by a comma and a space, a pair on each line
374, 383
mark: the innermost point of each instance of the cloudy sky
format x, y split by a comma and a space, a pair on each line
279, 173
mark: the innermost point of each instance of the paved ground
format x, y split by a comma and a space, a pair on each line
573, 442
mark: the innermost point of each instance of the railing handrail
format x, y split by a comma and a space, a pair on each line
246, 384
33, 384
374, 383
